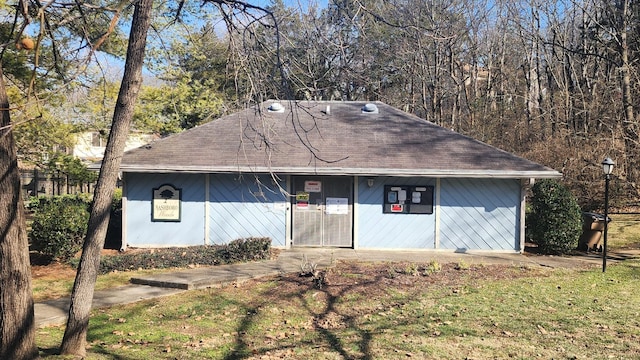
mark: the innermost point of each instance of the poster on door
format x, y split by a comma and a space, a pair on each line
302, 200
336, 206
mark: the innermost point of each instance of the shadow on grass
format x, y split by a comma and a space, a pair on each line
55, 352
324, 321
331, 312
48, 351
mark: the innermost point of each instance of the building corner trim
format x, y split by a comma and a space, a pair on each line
207, 199
436, 244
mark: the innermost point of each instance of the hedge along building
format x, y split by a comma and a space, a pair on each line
326, 174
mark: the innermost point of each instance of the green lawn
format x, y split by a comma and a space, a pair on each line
386, 311
383, 311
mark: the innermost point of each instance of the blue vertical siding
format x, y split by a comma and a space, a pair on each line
474, 214
246, 206
377, 230
141, 231
479, 214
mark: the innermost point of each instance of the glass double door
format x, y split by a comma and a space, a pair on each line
322, 211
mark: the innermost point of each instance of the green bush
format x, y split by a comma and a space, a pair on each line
36, 203
554, 222
59, 225
241, 250
116, 203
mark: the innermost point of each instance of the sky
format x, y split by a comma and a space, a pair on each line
294, 3
114, 66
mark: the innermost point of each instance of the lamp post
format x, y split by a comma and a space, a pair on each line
58, 164
607, 168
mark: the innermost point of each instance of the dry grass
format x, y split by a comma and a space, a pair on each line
361, 311
367, 311
624, 231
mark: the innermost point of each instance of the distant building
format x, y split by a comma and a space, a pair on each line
89, 148
90, 145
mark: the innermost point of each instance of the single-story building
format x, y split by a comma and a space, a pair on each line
326, 174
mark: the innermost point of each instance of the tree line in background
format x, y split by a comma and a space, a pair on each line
551, 81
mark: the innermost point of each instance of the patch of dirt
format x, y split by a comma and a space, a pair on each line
375, 279
44, 268
630, 246
53, 271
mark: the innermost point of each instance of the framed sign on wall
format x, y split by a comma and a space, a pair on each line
166, 204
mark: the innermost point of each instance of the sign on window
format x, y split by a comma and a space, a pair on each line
405, 199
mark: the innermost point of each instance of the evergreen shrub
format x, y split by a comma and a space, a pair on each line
241, 250
59, 225
554, 221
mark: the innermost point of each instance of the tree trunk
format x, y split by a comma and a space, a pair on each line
75, 336
630, 126
17, 326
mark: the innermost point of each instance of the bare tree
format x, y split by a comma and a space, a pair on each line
630, 125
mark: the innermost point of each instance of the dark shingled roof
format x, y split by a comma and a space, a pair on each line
328, 138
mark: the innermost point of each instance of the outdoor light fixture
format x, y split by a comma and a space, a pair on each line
370, 182
607, 169
607, 166
58, 177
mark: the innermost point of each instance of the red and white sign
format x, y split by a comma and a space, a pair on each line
313, 186
397, 208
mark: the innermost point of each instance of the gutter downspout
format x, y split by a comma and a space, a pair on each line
524, 186
356, 212
123, 235
206, 209
436, 244
288, 222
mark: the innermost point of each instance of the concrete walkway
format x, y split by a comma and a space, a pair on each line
54, 312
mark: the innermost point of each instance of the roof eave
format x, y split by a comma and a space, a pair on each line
501, 174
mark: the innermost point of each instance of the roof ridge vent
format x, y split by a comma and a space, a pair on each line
276, 107
370, 108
